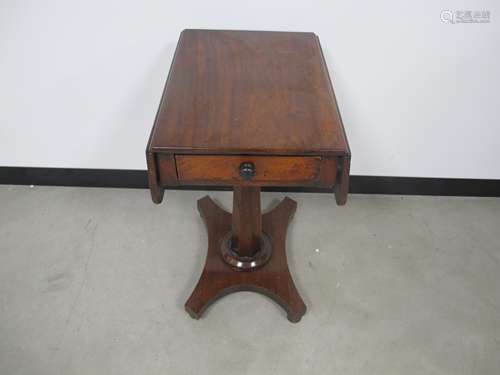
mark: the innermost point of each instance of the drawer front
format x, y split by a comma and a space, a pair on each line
255, 170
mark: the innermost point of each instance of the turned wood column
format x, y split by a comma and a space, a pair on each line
247, 221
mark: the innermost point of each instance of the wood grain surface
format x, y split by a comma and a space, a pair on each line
272, 279
269, 170
248, 92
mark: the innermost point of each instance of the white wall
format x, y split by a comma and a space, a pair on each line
80, 81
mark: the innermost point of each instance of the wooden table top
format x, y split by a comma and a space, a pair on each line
249, 92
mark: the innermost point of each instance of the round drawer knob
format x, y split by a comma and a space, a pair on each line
247, 170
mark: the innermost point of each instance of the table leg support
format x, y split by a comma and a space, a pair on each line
272, 279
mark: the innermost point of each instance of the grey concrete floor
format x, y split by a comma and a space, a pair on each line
93, 281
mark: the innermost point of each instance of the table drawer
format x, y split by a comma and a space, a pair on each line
255, 170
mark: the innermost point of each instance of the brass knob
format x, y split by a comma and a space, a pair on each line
247, 170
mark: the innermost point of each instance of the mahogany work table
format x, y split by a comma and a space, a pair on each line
248, 109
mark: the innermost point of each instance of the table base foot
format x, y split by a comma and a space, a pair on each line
273, 279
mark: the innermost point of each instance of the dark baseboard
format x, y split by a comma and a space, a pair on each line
118, 178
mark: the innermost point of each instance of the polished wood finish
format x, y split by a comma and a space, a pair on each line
153, 179
247, 92
269, 170
246, 263
247, 225
272, 279
248, 109
342, 189
167, 169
